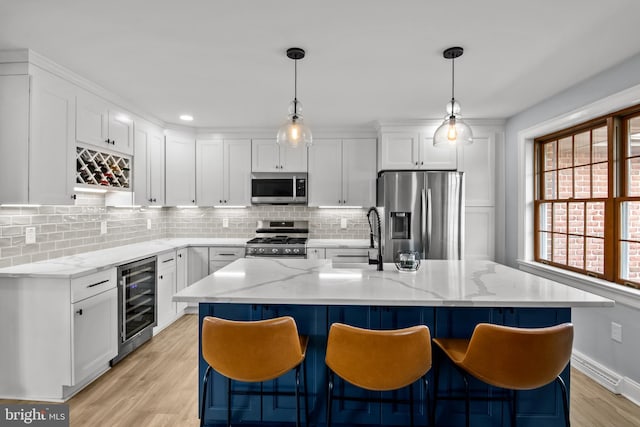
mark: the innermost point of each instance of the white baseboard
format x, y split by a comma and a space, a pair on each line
607, 378
631, 390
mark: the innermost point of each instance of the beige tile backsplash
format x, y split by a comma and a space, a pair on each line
68, 230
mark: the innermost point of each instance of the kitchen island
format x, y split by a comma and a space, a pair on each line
450, 297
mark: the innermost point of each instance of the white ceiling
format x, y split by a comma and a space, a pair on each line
224, 61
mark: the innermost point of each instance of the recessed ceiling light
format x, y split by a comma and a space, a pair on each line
186, 117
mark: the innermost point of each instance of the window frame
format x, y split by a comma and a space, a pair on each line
617, 156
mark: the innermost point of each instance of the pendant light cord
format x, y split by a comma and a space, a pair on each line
295, 89
453, 82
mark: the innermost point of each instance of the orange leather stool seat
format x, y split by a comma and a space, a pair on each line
511, 358
378, 360
252, 351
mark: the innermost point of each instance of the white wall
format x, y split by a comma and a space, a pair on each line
593, 344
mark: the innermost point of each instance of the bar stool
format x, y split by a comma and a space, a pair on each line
253, 351
510, 358
378, 360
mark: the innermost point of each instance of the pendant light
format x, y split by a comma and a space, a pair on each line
453, 130
294, 132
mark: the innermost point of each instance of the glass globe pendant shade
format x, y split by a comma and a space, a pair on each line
294, 133
452, 131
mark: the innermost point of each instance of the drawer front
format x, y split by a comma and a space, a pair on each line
167, 260
347, 255
92, 284
226, 253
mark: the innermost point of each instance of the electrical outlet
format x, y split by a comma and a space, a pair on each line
148, 224
225, 222
29, 235
616, 332
103, 227
343, 222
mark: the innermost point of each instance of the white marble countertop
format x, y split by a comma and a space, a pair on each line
90, 262
338, 243
436, 283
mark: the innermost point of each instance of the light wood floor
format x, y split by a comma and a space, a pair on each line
156, 386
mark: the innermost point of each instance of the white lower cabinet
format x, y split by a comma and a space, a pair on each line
182, 278
198, 260
166, 286
95, 333
221, 256
58, 334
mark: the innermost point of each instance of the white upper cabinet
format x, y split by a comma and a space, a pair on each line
52, 141
268, 156
325, 173
37, 149
415, 150
14, 139
102, 125
477, 161
148, 165
223, 172
180, 171
342, 172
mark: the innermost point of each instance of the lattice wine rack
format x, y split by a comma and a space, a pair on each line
97, 168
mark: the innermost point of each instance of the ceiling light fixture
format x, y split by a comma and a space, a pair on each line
453, 130
294, 132
186, 117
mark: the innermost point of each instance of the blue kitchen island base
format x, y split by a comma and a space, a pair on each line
534, 408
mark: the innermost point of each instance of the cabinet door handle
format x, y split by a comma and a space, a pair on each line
96, 284
79, 312
167, 260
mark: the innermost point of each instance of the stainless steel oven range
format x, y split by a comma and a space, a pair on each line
276, 238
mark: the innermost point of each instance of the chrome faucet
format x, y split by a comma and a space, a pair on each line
378, 259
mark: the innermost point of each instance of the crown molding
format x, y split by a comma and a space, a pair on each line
35, 59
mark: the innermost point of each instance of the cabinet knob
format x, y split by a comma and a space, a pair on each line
179, 255
151, 200
107, 141
193, 201
79, 312
73, 196
421, 163
225, 201
161, 277
154, 199
219, 201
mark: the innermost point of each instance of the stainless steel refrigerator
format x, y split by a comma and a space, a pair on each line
422, 211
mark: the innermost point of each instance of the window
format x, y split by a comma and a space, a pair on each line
587, 203
629, 204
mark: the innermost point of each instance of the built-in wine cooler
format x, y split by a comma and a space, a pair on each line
136, 305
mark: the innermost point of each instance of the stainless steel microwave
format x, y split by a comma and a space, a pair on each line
279, 188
